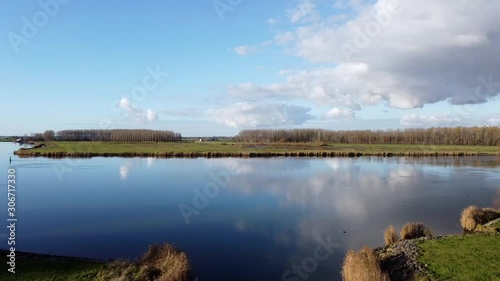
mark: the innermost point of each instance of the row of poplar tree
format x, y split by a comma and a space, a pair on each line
489, 136
108, 135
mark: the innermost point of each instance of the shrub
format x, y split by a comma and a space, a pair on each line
415, 230
472, 217
159, 263
362, 266
390, 235
171, 262
468, 218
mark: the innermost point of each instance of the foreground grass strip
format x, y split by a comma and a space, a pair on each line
161, 263
471, 257
30, 267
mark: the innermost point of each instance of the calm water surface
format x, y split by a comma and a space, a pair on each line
269, 217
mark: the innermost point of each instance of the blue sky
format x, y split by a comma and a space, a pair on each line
215, 67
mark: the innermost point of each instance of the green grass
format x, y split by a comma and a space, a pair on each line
471, 257
47, 268
3, 139
232, 147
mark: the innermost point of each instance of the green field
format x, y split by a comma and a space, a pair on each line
31, 267
201, 149
470, 257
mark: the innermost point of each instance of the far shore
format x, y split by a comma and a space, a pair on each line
222, 149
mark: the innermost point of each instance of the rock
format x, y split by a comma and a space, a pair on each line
400, 260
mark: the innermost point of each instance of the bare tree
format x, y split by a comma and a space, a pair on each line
49, 135
118, 135
488, 136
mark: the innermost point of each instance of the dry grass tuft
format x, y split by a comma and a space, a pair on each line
118, 270
171, 262
415, 230
472, 217
362, 266
159, 263
468, 218
390, 235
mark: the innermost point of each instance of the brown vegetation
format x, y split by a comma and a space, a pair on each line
415, 230
160, 263
488, 136
472, 217
49, 135
362, 266
390, 235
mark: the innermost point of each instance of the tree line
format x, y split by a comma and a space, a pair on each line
108, 135
488, 136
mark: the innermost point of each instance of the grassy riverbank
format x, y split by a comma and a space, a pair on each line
235, 149
462, 257
417, 255
160, 262
31, 267
6, 139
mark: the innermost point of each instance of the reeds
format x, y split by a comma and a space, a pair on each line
390, 235
415, 230
159, 263
472, 217
362, 266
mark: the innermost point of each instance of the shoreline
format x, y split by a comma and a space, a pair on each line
416, 254
22, 254
184, 149
303, 154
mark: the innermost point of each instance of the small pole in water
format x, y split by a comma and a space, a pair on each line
10, 159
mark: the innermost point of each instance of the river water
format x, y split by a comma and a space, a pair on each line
238, 219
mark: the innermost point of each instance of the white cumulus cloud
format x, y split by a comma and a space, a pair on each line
494, 121
255, 115
304, 10
340, 113
406, 55
245, 50
272, 21
437, 120
137, 114
283, 38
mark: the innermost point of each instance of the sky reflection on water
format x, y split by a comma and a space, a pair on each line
268, 219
